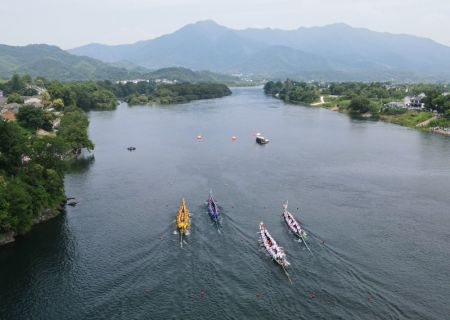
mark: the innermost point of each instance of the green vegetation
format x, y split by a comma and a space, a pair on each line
54, 63
103, 95
32, 166
291, 91
187, 75
73, 130
370, 99
31, 177
32, 118
408, 118
86, 95
14, 98
178, 93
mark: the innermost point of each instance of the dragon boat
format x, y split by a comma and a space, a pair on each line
273, 249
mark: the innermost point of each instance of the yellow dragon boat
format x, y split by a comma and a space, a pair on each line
183, 221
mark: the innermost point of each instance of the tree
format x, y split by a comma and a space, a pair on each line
14, 97
4, 207
48, 152
103, 100
58, 104
359, 105
31, 117
20, 206
16, 84
58, 90
13, 146
46, 99
73, 130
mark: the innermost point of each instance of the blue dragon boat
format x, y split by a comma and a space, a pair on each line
213, 209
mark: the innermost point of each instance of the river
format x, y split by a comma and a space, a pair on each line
374, 198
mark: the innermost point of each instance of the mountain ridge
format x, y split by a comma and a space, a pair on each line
54, 63
349, 53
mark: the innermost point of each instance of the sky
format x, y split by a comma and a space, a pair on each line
72, 23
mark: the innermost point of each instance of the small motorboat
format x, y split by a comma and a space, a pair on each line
262, 140
273, 249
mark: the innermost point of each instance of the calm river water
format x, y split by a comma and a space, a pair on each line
374, 197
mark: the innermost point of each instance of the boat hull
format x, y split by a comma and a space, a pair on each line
183, 219
270, 245
293, 224
213, 210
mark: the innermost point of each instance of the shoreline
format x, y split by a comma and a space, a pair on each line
384, 118
48, 214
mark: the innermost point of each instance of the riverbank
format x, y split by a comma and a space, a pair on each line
178, 93
420, 120
48, 214
428, 111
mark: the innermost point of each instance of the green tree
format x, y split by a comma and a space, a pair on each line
54, 185
48, 152
58, 90
16, 84
46, 99
31, 117
5, 219
73, 130
14, 97
359, 105
20, 206
58, 104
13, 146
103, 100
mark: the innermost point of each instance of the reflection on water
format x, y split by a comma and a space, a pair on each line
80, 164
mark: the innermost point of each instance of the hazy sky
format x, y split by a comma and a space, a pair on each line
70, 23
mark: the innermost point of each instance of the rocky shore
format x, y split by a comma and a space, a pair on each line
46, 215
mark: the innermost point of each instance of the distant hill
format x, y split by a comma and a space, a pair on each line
333, 52
53, 63
187, 75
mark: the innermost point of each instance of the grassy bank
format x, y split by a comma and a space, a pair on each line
402, 117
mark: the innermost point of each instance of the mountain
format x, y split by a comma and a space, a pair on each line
333, 52
354, 49
53, 63
201, 46
187, 75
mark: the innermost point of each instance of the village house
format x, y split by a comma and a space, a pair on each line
13, 107
394, 104
33, 101
413, 103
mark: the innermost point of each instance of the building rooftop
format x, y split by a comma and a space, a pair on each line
9, 116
